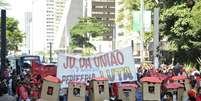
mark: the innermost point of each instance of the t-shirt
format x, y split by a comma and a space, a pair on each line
23, 93
198, 98
115, 89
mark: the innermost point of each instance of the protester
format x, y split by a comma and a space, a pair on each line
23, 92
191, 95
169, 96
29, 85
198, 97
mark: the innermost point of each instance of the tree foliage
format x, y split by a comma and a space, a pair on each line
180, 23
175, 25
86, 27
14, 35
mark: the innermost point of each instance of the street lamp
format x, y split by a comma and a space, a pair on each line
142, 31
50, 52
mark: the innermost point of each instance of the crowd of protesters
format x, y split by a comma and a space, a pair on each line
27, 86
23, 87
168, 71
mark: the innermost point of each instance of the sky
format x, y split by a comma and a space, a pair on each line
17, 9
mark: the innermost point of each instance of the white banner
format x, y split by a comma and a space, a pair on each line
117, 65
146, 20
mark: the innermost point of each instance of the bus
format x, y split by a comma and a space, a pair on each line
25, 62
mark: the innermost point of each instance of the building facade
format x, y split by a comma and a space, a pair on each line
104, 10
37, 43
59, 11
28, 31
50, 22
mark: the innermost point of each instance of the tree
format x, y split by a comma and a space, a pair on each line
86, 27
175, 25
14, 35
180, 23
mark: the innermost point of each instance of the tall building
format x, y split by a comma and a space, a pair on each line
59, 11
52, 21
28, 31
104, 10
50, 16
37, 43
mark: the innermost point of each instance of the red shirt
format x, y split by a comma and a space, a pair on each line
23, 93
198, 98
35, 94
115, 89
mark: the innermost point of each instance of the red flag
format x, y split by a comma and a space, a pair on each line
43, 70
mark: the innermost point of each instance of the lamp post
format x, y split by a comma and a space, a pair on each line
50, 52
142, 31
156, 35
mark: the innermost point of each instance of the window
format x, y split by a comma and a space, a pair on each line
98, 6
98, 18
112, 6
97, 12
49, 21
111, 13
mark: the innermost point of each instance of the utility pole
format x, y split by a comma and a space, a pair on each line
142, 31
50, 52
156, 37
3, 42
113, 37
132, 45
